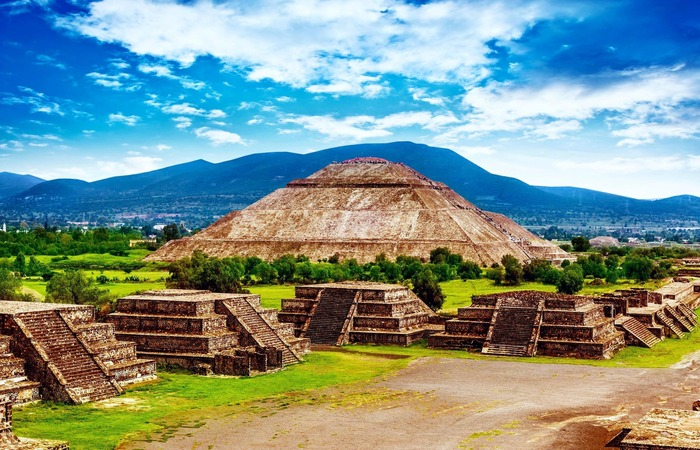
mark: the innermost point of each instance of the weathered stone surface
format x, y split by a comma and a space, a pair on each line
358, 209
531, 322
355, 312
67, 355
207, 332
661, 429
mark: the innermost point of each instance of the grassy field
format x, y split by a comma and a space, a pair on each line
271, 295
155, 410
179, 398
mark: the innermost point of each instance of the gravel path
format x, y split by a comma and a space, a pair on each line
441, 403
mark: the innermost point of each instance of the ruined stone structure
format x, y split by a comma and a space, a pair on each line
207, 332
690, 268
529, 322
66, 355
359, 209
354, 312
661, 429
9, 441
665, 312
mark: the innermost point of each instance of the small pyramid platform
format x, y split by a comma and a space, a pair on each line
358, 209
354, 312
206, 332
529, 323
68, 356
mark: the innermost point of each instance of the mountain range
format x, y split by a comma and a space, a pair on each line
199, 191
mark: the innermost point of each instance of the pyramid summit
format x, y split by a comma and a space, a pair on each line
358, 209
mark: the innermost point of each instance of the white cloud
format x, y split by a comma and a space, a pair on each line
356, 128
556, 129
157, 70
37, 101
673, 163
285, 99
420, 94
333, 46
189, 110
158, 147
642, 105
128, 165
366, 127
469, 152
255, 120
121, 118
183, 122
219, 137
164, 71
189, 84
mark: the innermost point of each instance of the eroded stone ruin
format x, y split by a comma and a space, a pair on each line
358, 209
59, 352
9, 441
661, 429
207, 332
355, 312
531, 322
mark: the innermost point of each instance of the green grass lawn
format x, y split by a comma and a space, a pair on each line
155, 410
271, 295
180, 398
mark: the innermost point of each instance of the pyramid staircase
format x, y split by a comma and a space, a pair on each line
12, 376
638, 330
668, 322
680, 318
328, 323
258, 328
514, 330
688, 313
76, 375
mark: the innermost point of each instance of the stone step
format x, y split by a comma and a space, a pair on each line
84, 378
505, 350
680, 318
670, 324
261, 331
639, 331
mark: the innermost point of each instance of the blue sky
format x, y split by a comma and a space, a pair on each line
597, 94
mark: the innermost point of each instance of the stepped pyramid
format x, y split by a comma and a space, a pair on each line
69, 357
206, 332
358, 312
360, 208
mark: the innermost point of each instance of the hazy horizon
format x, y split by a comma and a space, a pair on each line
596, 95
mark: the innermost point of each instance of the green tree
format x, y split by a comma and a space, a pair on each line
202, 272
285, 266
536, 268
439, 255
638, 267
266, 273
20, 264
513, 270
571, 280
171, 232
496, 274
469, 270
580, 244
9, 284
74, 287
427, 288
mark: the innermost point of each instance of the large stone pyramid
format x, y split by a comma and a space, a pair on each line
358, 209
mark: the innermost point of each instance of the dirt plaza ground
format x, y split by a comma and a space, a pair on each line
444, 403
